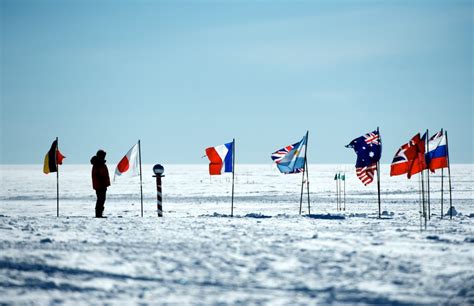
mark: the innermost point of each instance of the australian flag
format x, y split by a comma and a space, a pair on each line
368, 149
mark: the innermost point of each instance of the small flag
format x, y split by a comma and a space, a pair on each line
402, 159
335, 177
52, 159
418, 163
291, 159
129, 165
219, 156
368, 149
343, 177
437, 155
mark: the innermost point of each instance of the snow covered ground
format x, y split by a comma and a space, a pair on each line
266, 254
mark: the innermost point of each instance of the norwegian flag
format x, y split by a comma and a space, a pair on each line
368, 149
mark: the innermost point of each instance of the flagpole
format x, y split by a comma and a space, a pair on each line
344, 191
442, 175
340, 191
337, 194
233, 173
302, 177
423, 193
442, 183
419, 201
57, 176
141, 182
378, 173
307, 187
449, 177
307, 171
428, 173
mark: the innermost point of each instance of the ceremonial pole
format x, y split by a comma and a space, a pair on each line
141, 181
419, 201
442, 176
57, 176
307, 185
442, 184
340, 191
233, 173
304, 170
337, 194
428, 172
423, 192
344, 191
378, 172
307, 171
449, 177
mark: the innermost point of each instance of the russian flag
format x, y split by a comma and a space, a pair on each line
437, 155
219, 156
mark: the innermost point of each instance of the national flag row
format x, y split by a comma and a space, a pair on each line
129, 165
416, 155
419, 154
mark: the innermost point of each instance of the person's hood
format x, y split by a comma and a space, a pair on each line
97, 161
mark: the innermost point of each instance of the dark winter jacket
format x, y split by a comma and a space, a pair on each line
100, 174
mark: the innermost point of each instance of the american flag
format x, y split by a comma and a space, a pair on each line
368, 149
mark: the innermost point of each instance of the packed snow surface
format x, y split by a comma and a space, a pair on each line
266, 254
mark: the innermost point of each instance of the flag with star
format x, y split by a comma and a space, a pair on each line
368, 149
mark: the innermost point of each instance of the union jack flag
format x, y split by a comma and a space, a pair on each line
291, 159
368, 149
280, 154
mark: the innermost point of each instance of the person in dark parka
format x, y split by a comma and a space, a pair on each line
100, 181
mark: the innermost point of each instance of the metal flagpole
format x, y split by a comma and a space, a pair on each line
57, 176
378, 173
141, 182
307, 187
419, 201
302, 177
340, 191
233, 173
442, 176
442, 183
428, 173
337, 194
307, 171
423, 193
449, 177
344, 191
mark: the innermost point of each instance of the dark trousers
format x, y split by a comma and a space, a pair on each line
99, 206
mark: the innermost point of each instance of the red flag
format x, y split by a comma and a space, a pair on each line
417, 162
404, 157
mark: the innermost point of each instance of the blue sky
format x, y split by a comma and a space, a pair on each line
184, 75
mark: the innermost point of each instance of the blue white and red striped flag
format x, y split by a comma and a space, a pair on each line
437, 155
368, 149
220, 156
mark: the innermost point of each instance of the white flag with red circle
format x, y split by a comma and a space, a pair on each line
129, 165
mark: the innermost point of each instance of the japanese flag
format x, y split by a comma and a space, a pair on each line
129, 165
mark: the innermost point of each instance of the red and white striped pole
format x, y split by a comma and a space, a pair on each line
159, 170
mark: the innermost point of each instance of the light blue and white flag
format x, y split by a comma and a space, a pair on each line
291, 159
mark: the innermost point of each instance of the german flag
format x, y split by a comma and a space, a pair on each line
52, 159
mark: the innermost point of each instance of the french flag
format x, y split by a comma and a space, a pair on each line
220, 156
437, 155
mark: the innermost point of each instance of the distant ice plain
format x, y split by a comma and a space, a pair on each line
266, 254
